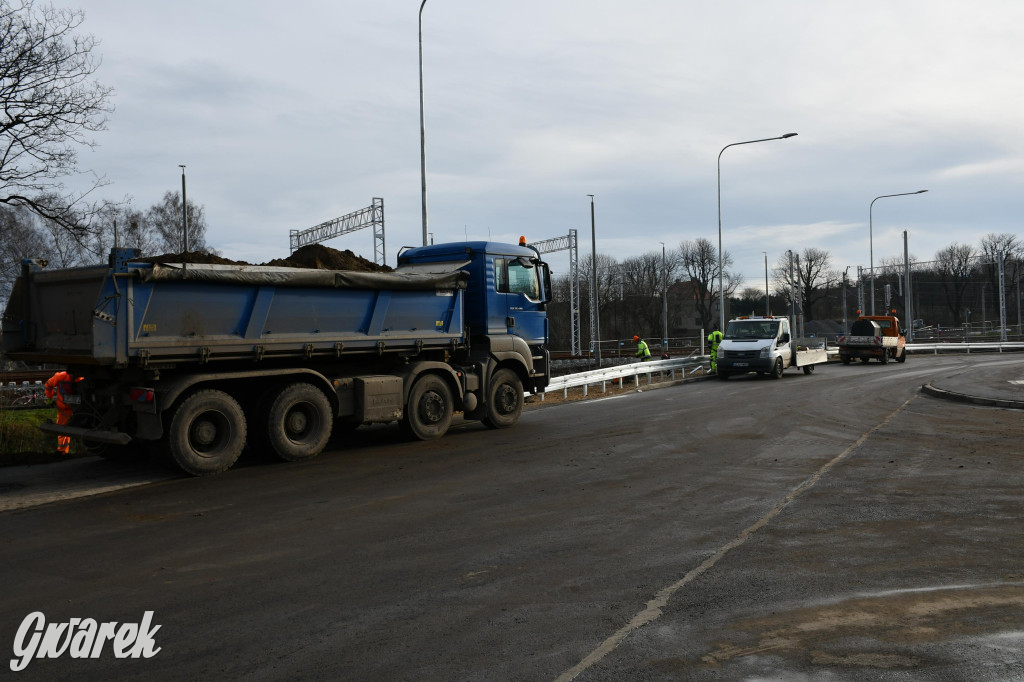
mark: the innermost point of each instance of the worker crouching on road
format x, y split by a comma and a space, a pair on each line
714, 339
61, 385
642, 351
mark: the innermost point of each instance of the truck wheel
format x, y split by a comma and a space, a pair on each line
845, 359
504, 400
885, 357
864, 361
808, 369
299, 422
724, 376
429, 412
776, 372
207, 433
902, 356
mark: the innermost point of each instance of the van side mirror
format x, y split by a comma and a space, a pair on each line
784, 337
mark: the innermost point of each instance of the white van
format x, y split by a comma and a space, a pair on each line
763, 345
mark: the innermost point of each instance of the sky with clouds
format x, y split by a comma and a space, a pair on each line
290, 115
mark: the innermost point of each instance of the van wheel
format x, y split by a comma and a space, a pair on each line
429, 412
207, 433
504, 400
776, 372
902, 356
299, 422
808, 369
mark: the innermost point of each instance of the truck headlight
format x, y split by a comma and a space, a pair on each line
721, 354
764, 352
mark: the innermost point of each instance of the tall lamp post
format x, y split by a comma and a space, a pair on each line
721, 291
871, 237
184, 211
767, 306
664, 301
595, 304
423, 141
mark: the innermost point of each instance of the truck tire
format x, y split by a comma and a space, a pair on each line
777, 369
902, 356
808, 369
207, 433
864, 360
299, 422
845, 359
885, 357
504, 400
429, 412
723, 376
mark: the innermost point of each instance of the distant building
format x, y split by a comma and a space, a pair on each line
684, 311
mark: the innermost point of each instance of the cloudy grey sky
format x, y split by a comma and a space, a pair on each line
287, 117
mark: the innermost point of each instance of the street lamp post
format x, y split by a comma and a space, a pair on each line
184, 212
423, 141
664, 301
595, 304
721, 291
871, 237
767, 306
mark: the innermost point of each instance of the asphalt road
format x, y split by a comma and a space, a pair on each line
839, 526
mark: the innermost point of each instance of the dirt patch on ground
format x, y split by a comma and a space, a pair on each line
311, 256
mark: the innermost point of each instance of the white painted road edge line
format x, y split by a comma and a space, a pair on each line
655, 606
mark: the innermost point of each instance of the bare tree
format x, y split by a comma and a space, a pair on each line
955, 264
643, 279
815, 277
50, 106
892, 271
19, 239
752, 299
164, 220
995, 246
698, 259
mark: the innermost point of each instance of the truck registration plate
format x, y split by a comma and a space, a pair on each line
72, 400
739, 364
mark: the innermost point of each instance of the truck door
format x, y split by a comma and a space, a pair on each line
519, 281
785, 343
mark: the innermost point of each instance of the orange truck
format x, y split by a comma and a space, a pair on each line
874, 336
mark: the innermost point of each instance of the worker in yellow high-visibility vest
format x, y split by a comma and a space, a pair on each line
714, 338
642, 351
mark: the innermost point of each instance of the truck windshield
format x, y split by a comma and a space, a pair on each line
750, 330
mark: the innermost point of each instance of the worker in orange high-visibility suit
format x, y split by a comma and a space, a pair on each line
61, 385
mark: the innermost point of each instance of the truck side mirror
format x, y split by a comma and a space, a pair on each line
784, 337
545, 281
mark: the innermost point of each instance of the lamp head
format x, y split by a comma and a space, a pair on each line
787, 135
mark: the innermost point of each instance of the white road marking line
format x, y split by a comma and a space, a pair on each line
654, 607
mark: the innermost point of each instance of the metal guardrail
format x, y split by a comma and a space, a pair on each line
634, 369
982, 346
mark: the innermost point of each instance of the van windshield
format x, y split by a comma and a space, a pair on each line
751, 330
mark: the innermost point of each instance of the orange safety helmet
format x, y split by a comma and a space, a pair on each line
636, 338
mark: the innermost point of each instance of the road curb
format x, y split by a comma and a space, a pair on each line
975, 399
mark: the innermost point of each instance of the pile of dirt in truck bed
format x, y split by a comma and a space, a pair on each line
190, 257
320, 257
311, 256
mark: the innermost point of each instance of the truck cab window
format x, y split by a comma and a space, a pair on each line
511, 277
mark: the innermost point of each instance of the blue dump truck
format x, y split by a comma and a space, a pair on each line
200, 359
